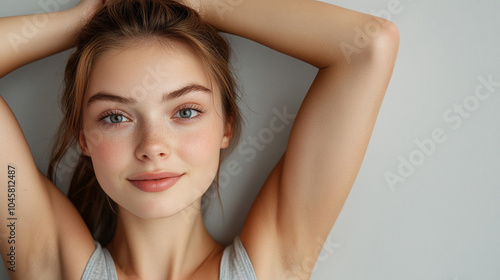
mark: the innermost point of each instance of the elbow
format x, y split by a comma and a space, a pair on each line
375, 40
385, 44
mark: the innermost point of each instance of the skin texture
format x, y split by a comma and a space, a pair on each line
150, 136
297, 205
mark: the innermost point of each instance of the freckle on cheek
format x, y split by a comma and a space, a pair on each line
108, 153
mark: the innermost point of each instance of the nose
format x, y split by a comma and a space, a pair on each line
153, 144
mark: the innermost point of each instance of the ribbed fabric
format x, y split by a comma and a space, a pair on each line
235, 264
100, 266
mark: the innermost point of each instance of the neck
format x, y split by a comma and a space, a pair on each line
166, 248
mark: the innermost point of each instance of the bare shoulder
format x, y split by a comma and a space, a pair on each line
74, 240
261, 236
47, 238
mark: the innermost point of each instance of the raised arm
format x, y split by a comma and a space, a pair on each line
301, 199
42, 235
27, 38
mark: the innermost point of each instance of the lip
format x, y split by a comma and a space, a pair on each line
155, 182
154, 176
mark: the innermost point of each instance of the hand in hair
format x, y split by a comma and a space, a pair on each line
53, 36
89, 7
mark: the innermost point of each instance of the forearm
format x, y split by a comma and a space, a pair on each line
312, 31
25, 39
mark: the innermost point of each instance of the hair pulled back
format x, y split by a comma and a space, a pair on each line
119, 23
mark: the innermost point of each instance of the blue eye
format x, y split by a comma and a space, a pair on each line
113, 118
186, 113
189, 112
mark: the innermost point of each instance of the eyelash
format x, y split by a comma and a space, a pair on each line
193, 107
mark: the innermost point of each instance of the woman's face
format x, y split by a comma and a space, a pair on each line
151, 109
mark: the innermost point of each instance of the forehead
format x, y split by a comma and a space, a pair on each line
140, 69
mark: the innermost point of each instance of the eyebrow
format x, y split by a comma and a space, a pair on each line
106, 96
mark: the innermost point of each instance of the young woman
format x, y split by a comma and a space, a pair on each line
150, 102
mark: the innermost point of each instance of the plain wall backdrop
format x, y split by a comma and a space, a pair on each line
426, 202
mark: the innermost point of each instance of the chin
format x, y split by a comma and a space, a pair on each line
162, 210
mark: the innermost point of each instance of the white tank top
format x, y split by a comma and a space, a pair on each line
235, 264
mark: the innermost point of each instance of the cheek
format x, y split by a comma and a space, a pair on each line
202, 149
107, 153
108, 159
201, 145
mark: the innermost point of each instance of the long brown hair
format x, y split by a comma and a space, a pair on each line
116, 24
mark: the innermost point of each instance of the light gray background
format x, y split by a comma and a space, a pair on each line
442, 222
